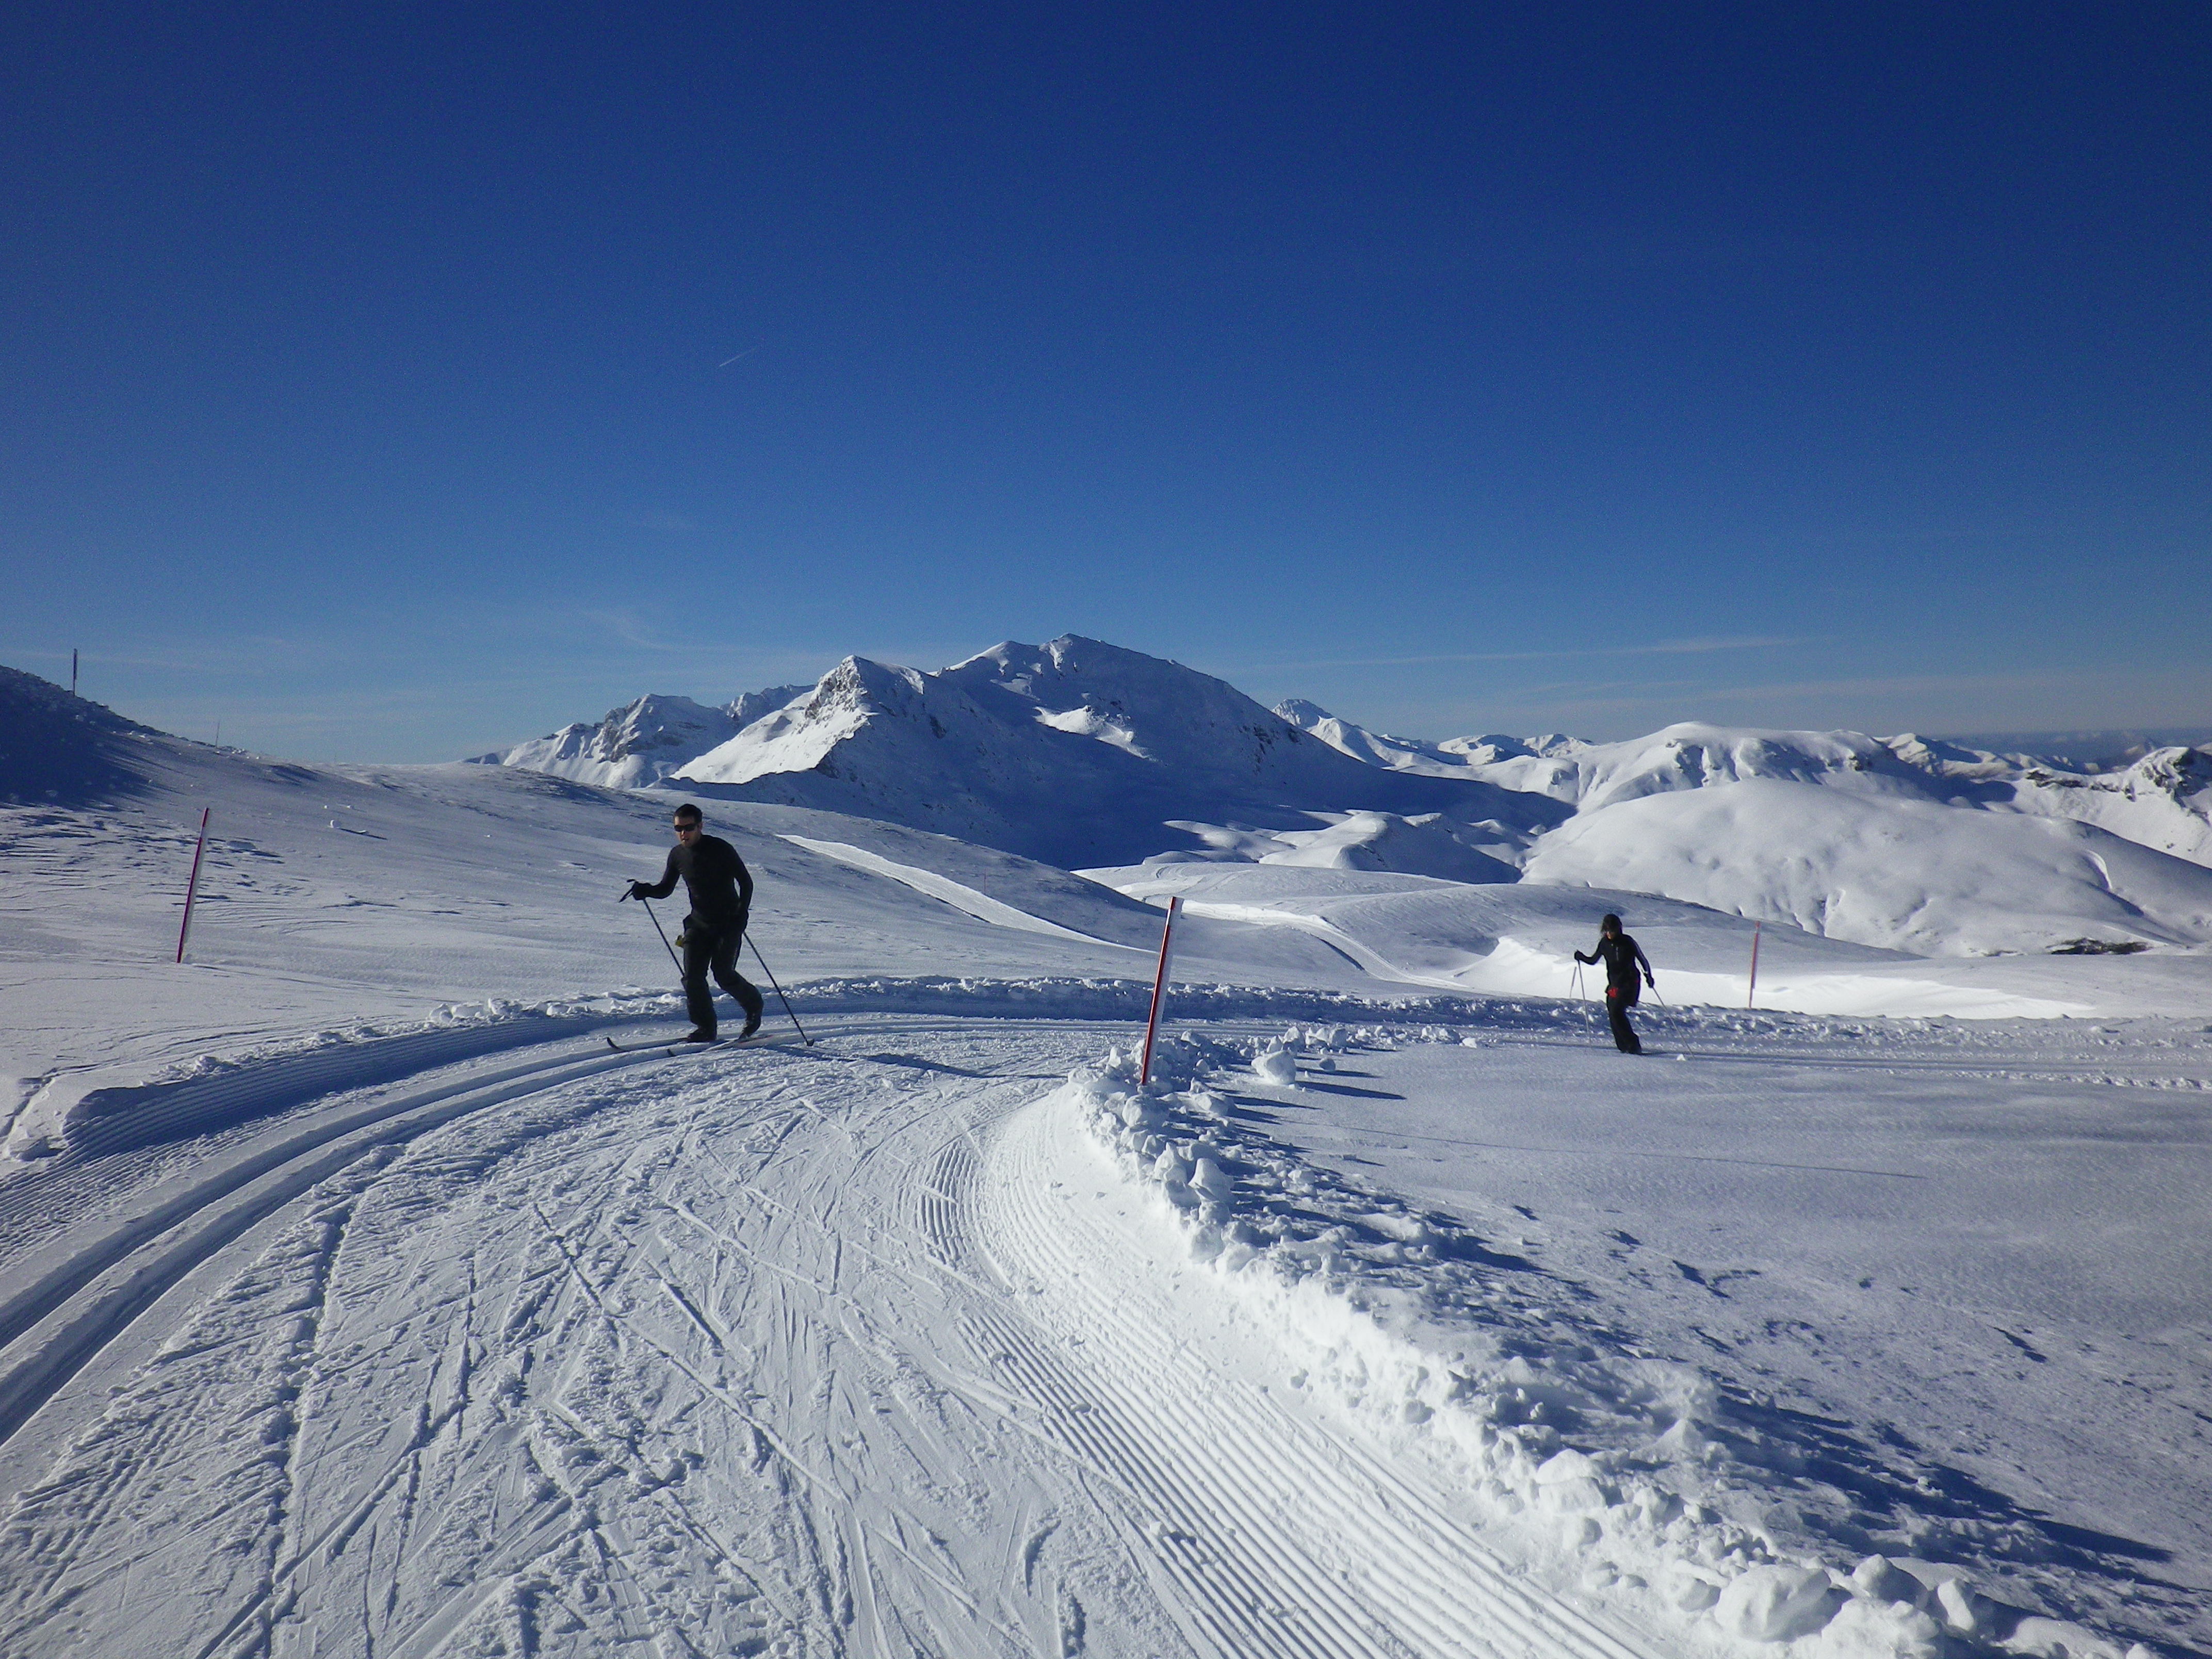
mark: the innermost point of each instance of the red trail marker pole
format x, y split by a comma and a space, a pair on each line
1750, 995
192, 887
1160, 986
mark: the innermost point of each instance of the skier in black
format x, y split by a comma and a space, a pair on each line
721, 893
1621, 954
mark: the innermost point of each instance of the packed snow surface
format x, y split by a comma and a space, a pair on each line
360, 1299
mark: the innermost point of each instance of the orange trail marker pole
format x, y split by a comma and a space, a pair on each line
192, 887
1160, 986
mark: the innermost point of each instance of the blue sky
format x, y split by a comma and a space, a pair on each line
392, 382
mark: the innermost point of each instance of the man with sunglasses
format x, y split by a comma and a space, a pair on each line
720, 889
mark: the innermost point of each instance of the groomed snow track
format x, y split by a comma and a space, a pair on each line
853, 1349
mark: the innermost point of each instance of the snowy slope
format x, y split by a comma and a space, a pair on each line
1076, 752
57, 747
1520, 940
1427, 844
2163, 800
1455, 757
1887, 871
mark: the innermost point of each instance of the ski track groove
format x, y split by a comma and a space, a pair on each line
1194, 1483
1263, 1436
1235, 1593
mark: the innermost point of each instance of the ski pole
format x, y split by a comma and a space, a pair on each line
780, 996
659, 929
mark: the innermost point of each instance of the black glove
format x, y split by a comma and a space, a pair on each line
636, 891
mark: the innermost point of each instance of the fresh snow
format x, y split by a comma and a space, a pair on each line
359, 1300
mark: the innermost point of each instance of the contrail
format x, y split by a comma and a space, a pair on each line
740, 357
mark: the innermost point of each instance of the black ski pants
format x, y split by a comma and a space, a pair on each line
713, 947
1616, 1003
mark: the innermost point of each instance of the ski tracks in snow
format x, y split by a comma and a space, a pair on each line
1277, 1534
820, 1351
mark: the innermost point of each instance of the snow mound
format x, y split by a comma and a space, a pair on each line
1898, 873
1074, 752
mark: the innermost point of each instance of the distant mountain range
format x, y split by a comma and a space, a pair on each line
1081, 752
1099, 760
2162, 799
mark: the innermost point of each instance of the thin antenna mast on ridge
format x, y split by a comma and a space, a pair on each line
72, 670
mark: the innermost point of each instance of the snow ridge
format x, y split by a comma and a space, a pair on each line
1631, 1482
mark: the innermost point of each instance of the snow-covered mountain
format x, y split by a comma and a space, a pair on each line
1903, 842
1886, 869
1085, 755
2162, 801
1452, 758
1076, 752
639, 743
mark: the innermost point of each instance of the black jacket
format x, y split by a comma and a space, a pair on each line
720, 885
1620, 957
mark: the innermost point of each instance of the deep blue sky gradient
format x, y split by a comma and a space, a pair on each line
390, 382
